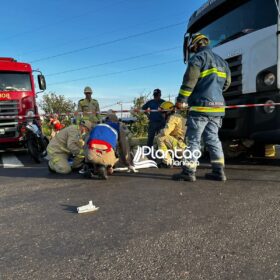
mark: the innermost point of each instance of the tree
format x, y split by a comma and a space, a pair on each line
52, 103
140, 127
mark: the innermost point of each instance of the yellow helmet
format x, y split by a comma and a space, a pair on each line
191, 41
196, 38
167, 105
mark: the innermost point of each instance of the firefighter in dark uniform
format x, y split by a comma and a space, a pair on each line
89, 107
206, 78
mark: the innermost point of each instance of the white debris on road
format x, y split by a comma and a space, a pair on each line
87, 208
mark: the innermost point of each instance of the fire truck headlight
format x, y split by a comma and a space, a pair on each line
269, 79
30, 114
266, 80
269, 109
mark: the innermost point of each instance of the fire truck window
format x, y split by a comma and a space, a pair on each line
12, 81
249, 17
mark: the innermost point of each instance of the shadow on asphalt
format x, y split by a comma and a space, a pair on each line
41, 172
158, 176
253, 180
70, 208
248, 165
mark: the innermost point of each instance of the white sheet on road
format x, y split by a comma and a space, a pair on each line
11, 161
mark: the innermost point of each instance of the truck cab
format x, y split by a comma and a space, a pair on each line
17, 98
246, 34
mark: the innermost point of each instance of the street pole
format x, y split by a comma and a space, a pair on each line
121, 104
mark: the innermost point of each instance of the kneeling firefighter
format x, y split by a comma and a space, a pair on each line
68, 142
102, 144
171, 137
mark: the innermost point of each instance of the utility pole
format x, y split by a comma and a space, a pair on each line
121, 104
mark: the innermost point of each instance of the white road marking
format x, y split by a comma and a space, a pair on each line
11, 161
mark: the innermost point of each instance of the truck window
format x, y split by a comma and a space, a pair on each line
249, 17
14, 81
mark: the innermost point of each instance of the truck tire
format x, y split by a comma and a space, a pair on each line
233, 149
43, 146
33, 147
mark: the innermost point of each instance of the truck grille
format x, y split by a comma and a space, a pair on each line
8, 125
235, 65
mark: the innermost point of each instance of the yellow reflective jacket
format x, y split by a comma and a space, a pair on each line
175, 126
207, 76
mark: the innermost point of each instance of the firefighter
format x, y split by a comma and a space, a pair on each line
172, 136
69, 142
156, 119
206, 77
104, 141
89, 107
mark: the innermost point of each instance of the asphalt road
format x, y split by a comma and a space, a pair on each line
147, 227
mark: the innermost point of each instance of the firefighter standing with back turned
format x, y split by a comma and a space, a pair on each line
206, 78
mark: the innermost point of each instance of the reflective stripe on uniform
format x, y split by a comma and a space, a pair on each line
221, 160
185, 92
213, 71
81, 154
64, 149
208, 109
218, 161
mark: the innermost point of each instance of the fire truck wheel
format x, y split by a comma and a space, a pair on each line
233, 149
34, 149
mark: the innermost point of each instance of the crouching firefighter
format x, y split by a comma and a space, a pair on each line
206, 77
171, 137
67, 143
105, 141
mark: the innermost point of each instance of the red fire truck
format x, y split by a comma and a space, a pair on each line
17, 98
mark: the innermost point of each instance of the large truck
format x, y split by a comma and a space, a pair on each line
246, 34
17, 99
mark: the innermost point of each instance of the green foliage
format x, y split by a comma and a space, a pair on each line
53, 103
140, 127
46, 129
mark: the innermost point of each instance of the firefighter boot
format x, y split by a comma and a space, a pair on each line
102, 173
217, 174
50, 169
183, 176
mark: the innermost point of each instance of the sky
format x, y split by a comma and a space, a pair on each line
120, 48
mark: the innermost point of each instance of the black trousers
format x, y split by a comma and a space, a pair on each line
154, 128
